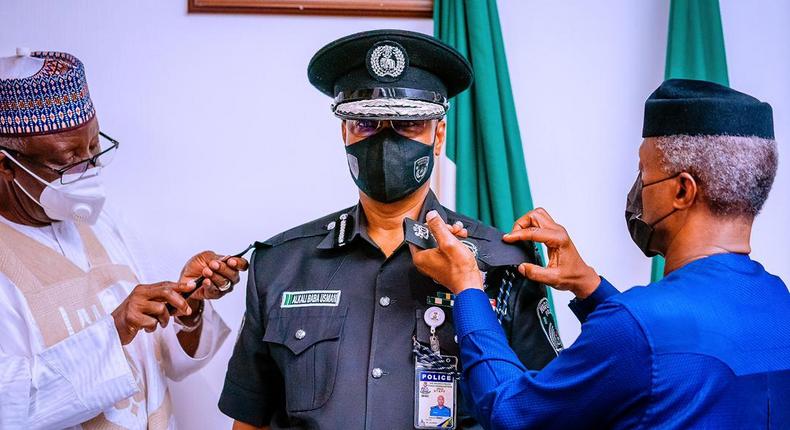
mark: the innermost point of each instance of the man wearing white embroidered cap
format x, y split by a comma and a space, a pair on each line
72, 298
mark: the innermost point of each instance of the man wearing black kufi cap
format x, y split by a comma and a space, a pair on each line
708, 346
337, 314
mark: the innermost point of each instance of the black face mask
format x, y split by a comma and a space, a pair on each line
641, 232
388, 167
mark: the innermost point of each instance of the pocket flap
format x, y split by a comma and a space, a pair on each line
299, 329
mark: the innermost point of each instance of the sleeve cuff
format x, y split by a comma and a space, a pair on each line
245, 405
214, 329
472, 312
584, 307
212, 335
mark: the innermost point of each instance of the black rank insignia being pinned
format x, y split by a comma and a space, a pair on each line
418, 234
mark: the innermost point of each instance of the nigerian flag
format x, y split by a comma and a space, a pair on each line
483, 136
695, 50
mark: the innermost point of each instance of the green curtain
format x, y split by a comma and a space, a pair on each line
483, 137
695, 50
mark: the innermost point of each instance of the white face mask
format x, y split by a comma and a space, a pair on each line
80, 201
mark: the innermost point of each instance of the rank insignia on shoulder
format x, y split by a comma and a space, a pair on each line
341, 228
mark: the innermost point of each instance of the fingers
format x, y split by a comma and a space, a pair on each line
207, 256
451, 264
527, 220
523, 222
196, 264
443, 236
552, 238
543, 275
140, 321
210, 290
538, 226
222, 273
180, 287
426, 260
535, 218
218, 274
543, 219
170, 293
545, 214
418, 255
458, 230
238, 263
214, 279
156, 310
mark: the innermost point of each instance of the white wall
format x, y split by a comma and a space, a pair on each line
225, 142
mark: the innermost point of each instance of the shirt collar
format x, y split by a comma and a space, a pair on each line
351, 225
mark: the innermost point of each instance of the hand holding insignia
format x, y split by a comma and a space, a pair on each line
146, 307
452, 263
565, 269
219, 274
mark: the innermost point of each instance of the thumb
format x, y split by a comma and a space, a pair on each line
206, 256
183, 287
543, 275
437, 226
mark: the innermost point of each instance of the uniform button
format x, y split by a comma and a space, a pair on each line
384, 301
376, 373
300, 334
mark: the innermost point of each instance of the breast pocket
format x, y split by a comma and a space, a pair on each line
305, 342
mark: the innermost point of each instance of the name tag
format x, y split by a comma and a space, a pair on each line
300, 299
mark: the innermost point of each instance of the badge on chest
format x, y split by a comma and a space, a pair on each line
435, 379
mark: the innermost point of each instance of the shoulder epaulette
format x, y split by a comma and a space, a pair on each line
318, 227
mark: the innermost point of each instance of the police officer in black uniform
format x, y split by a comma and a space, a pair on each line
336, 311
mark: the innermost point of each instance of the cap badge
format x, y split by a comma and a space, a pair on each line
387, 61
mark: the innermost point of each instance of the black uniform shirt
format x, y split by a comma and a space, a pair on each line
339, 355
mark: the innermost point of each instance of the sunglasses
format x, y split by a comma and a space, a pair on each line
406, 128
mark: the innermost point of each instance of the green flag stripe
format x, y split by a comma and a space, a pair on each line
483, 137
695, 42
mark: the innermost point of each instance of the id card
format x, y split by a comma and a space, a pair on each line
434, 395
